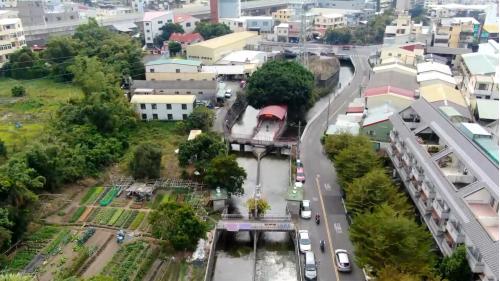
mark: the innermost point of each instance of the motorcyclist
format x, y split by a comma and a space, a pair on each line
322, 245
317, 218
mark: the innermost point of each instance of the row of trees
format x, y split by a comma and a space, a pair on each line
386, 237
205, 29
371, 33
85, 135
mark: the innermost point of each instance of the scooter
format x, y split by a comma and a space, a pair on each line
317, 219
322, 245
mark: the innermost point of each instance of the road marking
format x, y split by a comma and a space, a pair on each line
327, 228
328, 187
338, 227
315, 199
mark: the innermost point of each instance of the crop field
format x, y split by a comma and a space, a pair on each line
91, 196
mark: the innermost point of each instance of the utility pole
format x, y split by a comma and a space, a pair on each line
328, 112
298, 144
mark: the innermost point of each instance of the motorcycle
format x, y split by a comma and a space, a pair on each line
317, 219
322, 245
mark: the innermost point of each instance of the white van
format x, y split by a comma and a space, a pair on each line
310, 266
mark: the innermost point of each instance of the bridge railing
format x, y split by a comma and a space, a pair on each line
260, 218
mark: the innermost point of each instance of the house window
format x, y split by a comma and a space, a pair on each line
151, 70
184, 116
160, 22
188, 24
153, 106
147, 24
149, 38
155, 116
184, 106
169, 21
143, 106
169, 106
144, 116
170, 117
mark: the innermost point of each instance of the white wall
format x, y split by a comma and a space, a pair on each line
152, 28
192, 24
171, 67
162, 111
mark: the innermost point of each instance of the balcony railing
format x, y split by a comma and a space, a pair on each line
416, 174
390, 150
397, 162
436, 226
425, 204
428, 190
475, 260
407, 159
447, 245
413, 189
393, 135
399, 147
442, 211
454, 230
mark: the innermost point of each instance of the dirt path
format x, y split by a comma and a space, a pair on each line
105, 256
54, 263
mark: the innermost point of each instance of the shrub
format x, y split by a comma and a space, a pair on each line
18, 91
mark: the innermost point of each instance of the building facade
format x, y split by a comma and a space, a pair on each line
456, 32
201, 89
451, 175
187, 22
224, 9
163, 107
324, 22
152, 23
39, 12
11, 35
480, 76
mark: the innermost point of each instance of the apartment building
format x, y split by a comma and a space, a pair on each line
39, 12
262, 24
450, 171
403, 31
480, 76
163, 107
11, 34
8, 4
152, 22
456, 32
283, 15
323, 22
187, 22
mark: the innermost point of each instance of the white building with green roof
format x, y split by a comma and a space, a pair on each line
479, 71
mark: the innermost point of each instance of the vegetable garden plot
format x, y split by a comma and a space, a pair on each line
77, 214
91, 196
128, 261
110, 195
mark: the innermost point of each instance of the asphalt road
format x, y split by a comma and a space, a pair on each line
321, 182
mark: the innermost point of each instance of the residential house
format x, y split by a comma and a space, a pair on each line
458, 32
435, 77
489, 32
391, 96
152, 22
163, 107
185, 39
201, 89
325, 21
486, 111
281, 32
212, 50
403, 30
442, 94
451, 54
433, 66
393, 78
409, 54
376, 124
479, 73
343, 125
187, 22
450, 171
283, 15
11, 34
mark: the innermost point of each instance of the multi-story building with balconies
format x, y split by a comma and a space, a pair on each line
458, 32
450, 171
11, 35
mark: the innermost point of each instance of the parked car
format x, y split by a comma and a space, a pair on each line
342, 260
305, 209
304, 241
228, 93
310, 267
299, 164
301, 177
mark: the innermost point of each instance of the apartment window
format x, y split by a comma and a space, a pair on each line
147, 30
169, 21
151, 70
144, 116
169, 106
147, 24
200, 93
184, 116
72, 17
153, 106
188, 24
184, 106
170, 117
143, 106
149, 38
177, 70
59, 18
160, 22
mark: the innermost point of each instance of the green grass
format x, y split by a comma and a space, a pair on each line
91, 195
163, 134
33, 111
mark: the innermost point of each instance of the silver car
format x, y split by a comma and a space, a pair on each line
342, 261
305, 209
304, 241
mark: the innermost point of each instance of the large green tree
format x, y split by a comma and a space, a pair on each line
177, 223
201, 150
166, 31
25, 64
146, 161
456, 267
373, 189
337, 142
201, 118
60, 53
223, 171
91, 74
280, 82
174, 48
212, 30
354, 162
388, 238
338, 36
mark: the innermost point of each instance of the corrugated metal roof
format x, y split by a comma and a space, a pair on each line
487, 109
442, 92
352, 128
434, 75
394, 79
395, 66
386, 90
378, 114
278, 111
174, 84
165, 60
478, 63
226, 39
433, 66
184, 99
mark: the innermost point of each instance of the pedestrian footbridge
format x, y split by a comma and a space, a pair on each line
236, 223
